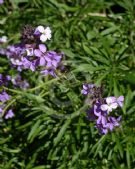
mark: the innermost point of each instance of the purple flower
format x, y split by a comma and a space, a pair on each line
87, 89
1, 1
15, 54
107, 124
30, 54
110, 104
4, 96
18, 82
9, 114
53, 59
4, 79
26, 64
50, 59
104, 122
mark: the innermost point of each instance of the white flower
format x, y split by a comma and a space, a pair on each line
111, 104
45, 33
3, 39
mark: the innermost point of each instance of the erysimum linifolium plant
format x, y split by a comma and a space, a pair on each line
31, 54
50, 127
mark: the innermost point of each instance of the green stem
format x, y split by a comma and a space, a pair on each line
43, 84
12, 90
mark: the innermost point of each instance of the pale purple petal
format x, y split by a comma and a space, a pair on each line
32, 67
49, 65
47, 59
120, 99
42, 48
42, 61
54, 63
37, 52
103, 120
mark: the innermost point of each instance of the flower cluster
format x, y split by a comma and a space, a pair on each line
32, 54
102, 108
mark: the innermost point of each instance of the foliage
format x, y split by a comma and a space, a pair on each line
50, 129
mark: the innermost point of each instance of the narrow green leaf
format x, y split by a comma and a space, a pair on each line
34, 130
61, 132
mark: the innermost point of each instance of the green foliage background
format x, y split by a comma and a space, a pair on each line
50, 129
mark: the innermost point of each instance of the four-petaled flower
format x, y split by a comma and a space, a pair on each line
110, 104
87, 89
45, 33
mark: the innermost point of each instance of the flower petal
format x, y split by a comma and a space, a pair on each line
42, 61
120, 104
37, 53
110, 100
114, 105
43, 38
121, 98
40, 29
104, 107
48, 30
103, 120
42, 48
